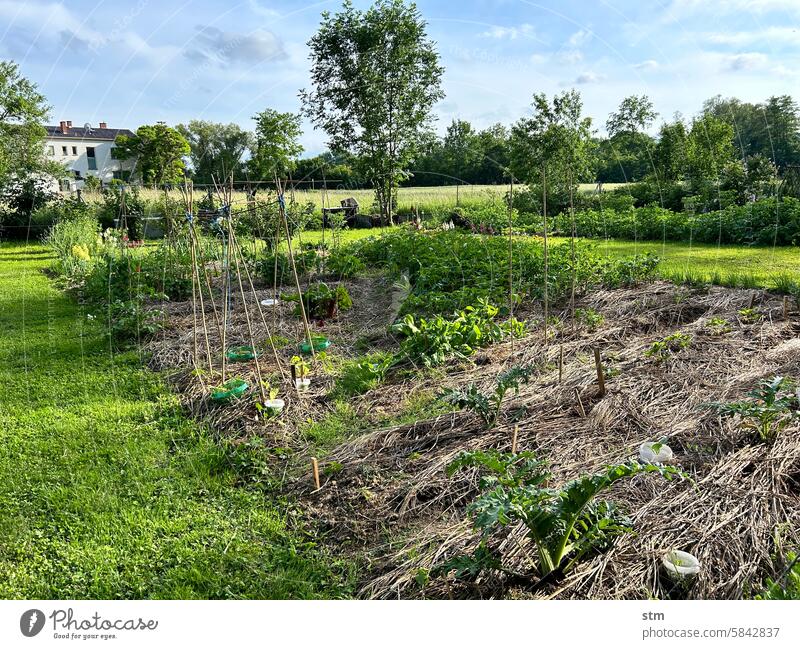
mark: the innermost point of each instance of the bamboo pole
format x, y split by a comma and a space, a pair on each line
282, 213
514, 439
315, 470
260, 310
601, 380
232, 242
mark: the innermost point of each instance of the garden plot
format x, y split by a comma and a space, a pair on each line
386, 494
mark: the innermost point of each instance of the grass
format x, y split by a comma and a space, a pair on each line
107, 490
740, 266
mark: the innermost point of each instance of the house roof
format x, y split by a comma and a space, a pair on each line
81, 133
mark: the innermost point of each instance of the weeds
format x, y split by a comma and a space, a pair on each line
487, 406
771, 406
663, 349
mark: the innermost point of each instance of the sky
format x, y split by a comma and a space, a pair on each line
142, 61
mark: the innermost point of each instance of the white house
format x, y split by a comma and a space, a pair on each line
85, 151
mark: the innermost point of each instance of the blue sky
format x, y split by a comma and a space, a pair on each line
141, 61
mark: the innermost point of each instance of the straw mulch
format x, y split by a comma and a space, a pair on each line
387, 495
386, 498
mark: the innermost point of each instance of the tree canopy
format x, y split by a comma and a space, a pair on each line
275, 145
217, 150
157, 152
376, 76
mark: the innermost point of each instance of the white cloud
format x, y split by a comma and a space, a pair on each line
680, 9
75, 35
214, 45
510, 33
649, 64
581, 37
588, 77
745, 61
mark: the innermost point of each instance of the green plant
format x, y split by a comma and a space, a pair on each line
362, 375
718, 326
749, 315
589, 317
771, 406
662, 349
301, 366
487, 406
787, 586
132, 320
564, 523
321, 302
432, 342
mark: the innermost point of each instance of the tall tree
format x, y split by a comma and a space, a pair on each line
216, 149
556, 141
157, 152
461, 153
376, 76
276, 145
626, 155
22, 110
669, 155
709, 148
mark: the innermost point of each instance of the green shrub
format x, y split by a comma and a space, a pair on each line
564, 524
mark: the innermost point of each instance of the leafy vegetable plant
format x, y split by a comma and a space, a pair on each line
488, 406
433, 341
564, 523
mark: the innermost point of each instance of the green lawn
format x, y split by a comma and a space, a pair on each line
728, 265
107, 490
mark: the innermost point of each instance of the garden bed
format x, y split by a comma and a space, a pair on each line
387, 499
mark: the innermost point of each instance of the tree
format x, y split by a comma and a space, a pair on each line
554, 146
157, 152
709, 148
24, 168
376, 77
216, 149
770, 129
634, 115
275, 146
555, 143
669, 156
626, 155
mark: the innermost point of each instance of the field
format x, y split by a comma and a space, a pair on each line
424, 198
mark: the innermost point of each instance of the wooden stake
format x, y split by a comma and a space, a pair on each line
581, 409
601, 380
752, 300
561, 363
514, 439
785, 307
315, 468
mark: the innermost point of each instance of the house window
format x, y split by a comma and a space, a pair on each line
51, 150
91, 158
112, 152
74, 150
63, 150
